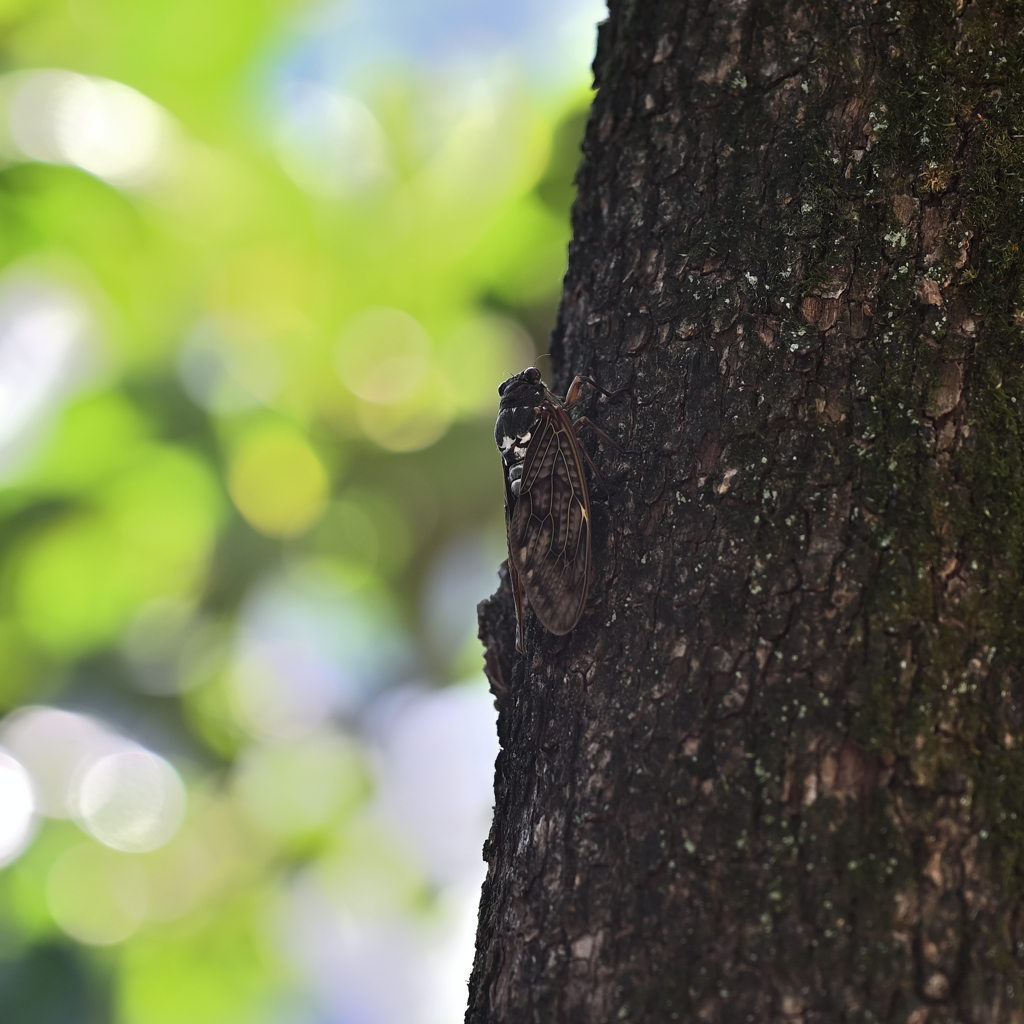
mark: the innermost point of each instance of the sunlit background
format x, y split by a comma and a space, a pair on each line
262, 267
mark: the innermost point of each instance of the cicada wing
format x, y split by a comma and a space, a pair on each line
549, 530
513, 572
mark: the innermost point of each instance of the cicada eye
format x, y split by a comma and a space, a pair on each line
532, 375
503, 386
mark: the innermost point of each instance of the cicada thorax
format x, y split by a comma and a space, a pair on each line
518, 413
547, 508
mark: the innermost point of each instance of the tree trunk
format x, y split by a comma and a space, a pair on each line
775, 774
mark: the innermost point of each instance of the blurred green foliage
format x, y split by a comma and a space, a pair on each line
267, 372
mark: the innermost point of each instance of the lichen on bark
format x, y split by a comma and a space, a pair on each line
776, 771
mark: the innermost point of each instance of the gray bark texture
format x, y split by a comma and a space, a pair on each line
776, 771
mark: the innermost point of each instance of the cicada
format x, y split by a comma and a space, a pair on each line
547, 507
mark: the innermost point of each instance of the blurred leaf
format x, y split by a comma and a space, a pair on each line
149, 532
295, 793
95, 437
213, 975
96, 895
24, 882
277, 481
20, 664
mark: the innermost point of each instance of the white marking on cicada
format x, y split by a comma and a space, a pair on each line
506, 443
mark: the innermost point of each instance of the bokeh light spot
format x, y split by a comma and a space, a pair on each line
329, 143
55, 747
125, 796
311, 646
95, 895
383, 355
226, 367
131, 800
482, 350
293, 791
104, 127
435, 780
403, 428
277, 482
17, 808
44, 332
281, 688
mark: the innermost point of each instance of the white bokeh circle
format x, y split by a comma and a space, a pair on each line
130, 800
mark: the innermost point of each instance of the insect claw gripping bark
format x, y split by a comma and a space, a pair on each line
547, 506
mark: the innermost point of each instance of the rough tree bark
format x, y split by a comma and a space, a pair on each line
775, 773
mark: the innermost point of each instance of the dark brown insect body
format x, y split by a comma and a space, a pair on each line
547, 508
